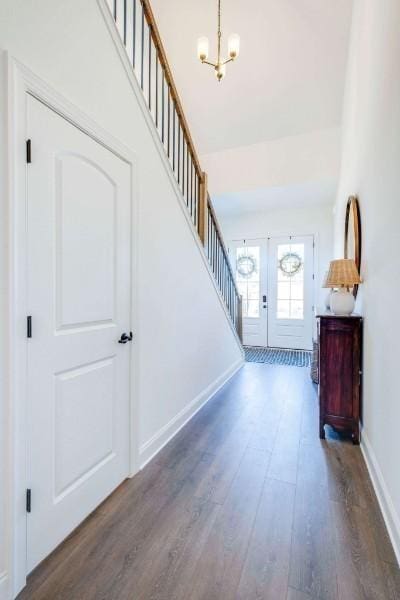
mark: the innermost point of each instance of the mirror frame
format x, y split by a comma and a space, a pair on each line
353, 209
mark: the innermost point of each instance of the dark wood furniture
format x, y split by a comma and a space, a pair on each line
340, 340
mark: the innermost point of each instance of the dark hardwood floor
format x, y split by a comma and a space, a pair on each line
245, 503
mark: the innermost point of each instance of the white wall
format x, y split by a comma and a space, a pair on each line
316, 220
186, 344
310, 157
371, 169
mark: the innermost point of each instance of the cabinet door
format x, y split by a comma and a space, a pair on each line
339, 347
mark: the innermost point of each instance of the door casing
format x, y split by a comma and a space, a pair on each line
262, 243
20, 83
311, 296
251, 239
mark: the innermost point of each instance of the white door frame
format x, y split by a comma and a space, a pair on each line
293, 233
314, 278
20, 83
262, 242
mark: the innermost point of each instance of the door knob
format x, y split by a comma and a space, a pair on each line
125, 338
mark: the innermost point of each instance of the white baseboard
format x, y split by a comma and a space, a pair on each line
387, 507
153, 446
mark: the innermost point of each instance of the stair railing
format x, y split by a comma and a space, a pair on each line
221, 267
136, 25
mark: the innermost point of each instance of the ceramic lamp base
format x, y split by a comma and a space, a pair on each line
328, 300
342, 302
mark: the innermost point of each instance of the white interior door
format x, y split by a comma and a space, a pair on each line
249, 262
79, 280
290, 297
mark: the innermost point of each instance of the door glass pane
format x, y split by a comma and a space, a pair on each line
253, 290
253, 308
290, 281
283, 309
283, 290
248, 279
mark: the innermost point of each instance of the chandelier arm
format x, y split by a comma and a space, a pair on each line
228, 60
207, 62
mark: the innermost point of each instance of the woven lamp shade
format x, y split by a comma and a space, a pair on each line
342, 273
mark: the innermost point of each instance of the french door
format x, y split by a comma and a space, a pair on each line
78, 281
249, 261
275, 279
290, 291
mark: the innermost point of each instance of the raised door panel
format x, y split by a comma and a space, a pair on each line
85, 216
338, 358
84, 424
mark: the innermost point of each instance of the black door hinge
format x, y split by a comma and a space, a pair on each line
28, 500
28, 151
29, 326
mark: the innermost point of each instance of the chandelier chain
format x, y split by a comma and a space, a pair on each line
219, 32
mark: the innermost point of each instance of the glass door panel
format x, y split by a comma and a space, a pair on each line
249, 262
290, 284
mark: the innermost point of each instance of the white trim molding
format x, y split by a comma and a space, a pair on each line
386, 504
149, 449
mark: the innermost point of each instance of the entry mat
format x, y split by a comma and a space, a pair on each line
278, 356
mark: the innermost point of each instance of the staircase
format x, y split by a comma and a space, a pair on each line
139, 33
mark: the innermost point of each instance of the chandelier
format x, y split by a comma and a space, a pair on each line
233, 49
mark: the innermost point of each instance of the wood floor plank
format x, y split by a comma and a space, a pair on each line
266, 569
392, 577
360, 571
219, 567
73, 549
210, 517
313, 560
283, 465
296, 595
132, 549
122, 536
349, 482
216, 483
359, 472
171, 567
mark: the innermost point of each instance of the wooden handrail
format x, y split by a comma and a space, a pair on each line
170, 82
202, 227
178, 145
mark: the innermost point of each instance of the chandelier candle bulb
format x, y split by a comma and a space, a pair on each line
202, 48
233, 45
220, 62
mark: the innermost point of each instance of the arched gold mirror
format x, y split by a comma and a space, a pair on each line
352, 234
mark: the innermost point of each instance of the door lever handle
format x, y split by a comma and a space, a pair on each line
125, 338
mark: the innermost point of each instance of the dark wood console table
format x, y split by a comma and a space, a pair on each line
340, 347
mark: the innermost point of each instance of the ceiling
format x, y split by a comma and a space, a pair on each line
290, 196
288, 79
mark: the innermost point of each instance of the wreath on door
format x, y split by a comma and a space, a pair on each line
246, 265
290, 263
